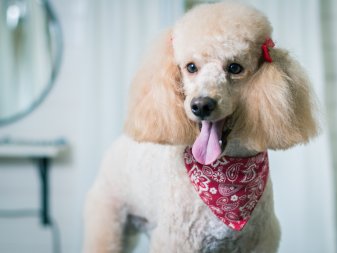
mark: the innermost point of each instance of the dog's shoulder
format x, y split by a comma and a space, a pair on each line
130, 150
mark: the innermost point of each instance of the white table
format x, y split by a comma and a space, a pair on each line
42, 152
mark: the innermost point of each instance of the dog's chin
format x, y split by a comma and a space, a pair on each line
212, 140
226, 130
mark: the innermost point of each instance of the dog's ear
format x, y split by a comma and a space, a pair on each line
156, 112
277, 109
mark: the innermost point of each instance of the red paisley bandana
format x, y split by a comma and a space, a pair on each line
230, 186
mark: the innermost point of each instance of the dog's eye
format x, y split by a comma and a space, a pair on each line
191, 67
234, 68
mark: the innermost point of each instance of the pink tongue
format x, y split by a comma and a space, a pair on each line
206, 148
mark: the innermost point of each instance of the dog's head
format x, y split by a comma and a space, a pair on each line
210, 70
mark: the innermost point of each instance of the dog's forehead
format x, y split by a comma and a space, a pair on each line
210, 47
226, 28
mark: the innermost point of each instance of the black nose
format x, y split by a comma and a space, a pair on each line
203, 106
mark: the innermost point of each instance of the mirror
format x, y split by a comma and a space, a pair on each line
30, 55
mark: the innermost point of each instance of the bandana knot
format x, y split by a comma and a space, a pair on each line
231, 186
269, 43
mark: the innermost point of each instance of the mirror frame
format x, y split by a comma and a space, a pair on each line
56, 33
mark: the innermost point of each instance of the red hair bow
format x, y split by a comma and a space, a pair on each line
265, 49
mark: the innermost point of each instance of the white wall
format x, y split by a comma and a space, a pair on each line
329, 36
103, 41
60, 115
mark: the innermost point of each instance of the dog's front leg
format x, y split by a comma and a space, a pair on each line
105, 217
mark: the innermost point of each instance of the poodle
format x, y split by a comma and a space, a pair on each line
191, 168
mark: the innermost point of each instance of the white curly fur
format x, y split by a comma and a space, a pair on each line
143, 174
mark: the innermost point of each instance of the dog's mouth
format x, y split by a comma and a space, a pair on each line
212, 140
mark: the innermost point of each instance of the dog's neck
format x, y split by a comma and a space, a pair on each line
235, 149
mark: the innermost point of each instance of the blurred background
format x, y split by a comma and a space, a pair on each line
65, 71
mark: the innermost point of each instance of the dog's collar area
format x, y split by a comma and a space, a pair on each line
231, 186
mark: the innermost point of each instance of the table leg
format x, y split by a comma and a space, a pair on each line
43, 164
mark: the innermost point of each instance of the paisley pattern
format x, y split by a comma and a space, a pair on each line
231, 187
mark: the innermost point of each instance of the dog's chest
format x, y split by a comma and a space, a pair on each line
160, 191
213, 234
193, 219
205, 229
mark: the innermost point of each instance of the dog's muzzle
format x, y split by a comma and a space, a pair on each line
202, 107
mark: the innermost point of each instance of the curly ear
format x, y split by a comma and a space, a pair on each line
276, 107
156, 112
